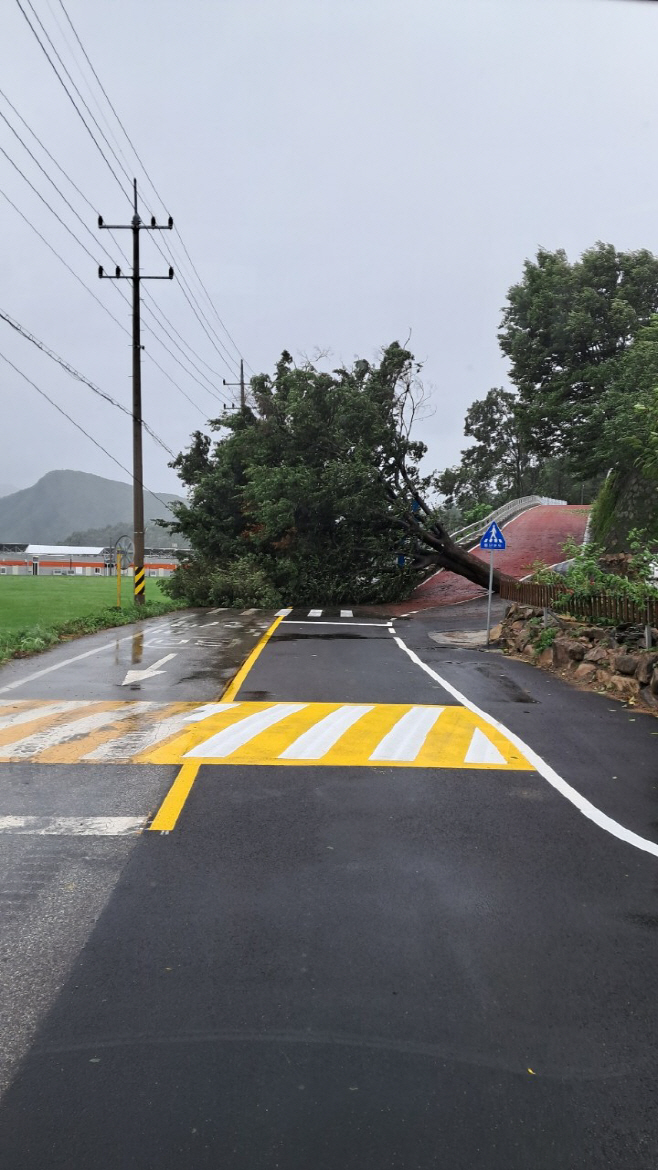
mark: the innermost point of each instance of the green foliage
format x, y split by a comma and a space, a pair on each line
493, 469
565, 329
603, 508
545, 638
34, 638
630, 408
241, 583
477, 512
307, 496
585, 578
506, 461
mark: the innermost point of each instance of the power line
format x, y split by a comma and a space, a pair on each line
81, 378
46, 203
80, 428
99, 148
67, 92
103, 306
210, 300
155, 309
46, 151
53, 184
82, 99
148, 177
64, 262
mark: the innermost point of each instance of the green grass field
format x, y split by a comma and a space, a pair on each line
48, 601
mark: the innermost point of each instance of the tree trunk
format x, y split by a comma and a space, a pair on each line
445, 553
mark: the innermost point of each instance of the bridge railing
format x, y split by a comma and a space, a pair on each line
500, 515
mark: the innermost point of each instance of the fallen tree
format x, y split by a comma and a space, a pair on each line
313, 492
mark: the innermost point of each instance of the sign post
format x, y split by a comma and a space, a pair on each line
492, 540
122, 554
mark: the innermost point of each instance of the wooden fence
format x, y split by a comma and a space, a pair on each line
601, 605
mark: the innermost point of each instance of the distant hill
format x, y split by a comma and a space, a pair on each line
64, 502
154, 536
6, 489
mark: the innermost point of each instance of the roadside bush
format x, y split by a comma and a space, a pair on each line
545, 638
585, 578
242, 583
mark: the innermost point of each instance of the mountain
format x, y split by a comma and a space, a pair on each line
6, 489
63, 502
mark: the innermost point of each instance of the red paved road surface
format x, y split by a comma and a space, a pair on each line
538, 534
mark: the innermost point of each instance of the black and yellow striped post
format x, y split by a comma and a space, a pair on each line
140, 584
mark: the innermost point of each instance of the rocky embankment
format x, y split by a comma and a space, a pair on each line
602, 658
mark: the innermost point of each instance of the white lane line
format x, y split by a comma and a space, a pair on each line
318, 740
346, 613
404, 741
295, 622
20, 682
30, 714
482, 751
134, 742
583, 805
231, 738
32, 745
315, 613
73, 826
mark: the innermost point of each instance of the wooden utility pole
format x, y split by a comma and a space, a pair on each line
243, 395
135, 226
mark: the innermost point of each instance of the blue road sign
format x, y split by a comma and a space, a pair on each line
493, 538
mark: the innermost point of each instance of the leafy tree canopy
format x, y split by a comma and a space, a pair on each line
312, 493
565, 328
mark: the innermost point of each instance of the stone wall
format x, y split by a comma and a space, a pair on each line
600, 657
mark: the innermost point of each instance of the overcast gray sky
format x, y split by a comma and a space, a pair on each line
341, 171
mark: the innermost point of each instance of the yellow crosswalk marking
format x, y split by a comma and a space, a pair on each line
289, 734
456, 738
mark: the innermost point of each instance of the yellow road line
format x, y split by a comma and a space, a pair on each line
170, 809
234, 686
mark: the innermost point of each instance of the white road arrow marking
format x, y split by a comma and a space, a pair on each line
134, 676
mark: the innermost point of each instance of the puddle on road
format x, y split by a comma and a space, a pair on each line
511, 689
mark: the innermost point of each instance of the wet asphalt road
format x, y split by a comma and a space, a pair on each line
342, 967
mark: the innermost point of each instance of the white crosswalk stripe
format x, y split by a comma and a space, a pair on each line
335, 734
61, 732
407, 737
318, 740
346, 613
315, 613
482, 751
231, 738
73, 826
135, 742
30, 714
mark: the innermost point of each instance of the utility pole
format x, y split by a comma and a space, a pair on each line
243, 396
136, 226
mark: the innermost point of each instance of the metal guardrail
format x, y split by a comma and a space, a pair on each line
500, 515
